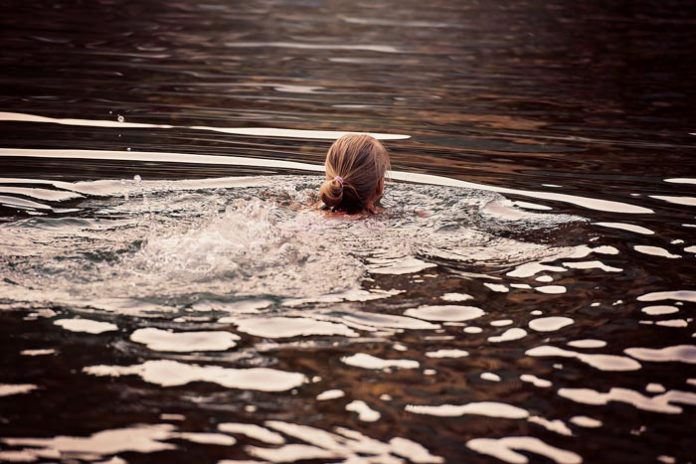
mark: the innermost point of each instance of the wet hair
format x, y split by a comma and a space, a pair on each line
355, 167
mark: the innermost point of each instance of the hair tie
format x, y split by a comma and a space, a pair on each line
339, 179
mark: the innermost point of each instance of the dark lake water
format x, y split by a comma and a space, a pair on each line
167, 294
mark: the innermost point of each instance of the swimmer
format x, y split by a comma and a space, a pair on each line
355, 168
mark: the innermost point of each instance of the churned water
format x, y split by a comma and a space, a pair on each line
170, 293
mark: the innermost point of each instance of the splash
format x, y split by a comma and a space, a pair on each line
138, 243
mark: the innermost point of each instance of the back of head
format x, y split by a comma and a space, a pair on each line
355, 167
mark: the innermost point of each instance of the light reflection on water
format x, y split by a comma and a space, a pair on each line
166, 293
188, 269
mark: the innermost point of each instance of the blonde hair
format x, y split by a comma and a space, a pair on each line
355, 167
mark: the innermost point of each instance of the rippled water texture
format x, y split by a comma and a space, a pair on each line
169, 294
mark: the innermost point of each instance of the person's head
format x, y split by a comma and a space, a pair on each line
355, 167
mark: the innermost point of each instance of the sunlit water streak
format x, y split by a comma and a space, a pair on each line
590, 203
120, 123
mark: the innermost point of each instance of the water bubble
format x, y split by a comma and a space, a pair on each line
120, 118
137, 178
128, 149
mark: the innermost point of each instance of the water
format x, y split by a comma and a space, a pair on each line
169, 295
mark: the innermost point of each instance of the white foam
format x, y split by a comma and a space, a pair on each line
557, 425
591, 265
248, 131
550, 324
367, 361
584, 202
536, 381
184, 342
483, 408
584, 421
285, 327
173, 373
365, 413
321, 438
678, 323
252, 431
490, 376
659, 403
206, 438
292, 453
551, 289
330, 395
29, 455
499, 288
450, 313
237, 307
354, 294
577, 252
659, 310
678, 295
447, 353
24, 117
345, 445
456, 297
681, 180
509, 335
413, 451
685, 201
86, 326
533, 206
40, 352
655, 251
628, 227
16, 389
41, 194
678, 353
531, 269
587, 343
603, 362
504, 449
139, 438
655, 388
407, 265
364, 319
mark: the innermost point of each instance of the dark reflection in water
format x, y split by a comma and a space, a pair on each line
135, 312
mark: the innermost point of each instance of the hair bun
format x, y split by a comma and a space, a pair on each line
331, 192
